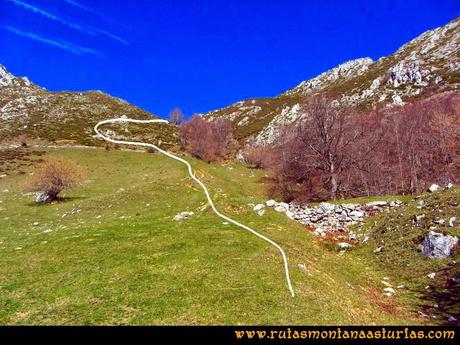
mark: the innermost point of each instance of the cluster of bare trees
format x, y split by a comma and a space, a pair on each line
334, 151
209, 141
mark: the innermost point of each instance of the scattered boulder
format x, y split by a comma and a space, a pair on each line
453, 222
377, 204
456, 280
344, 245
440, 221
281, 207
320, 232
389, 290
449, 185
290, 214
356, 214
395, 203
270, 203
42, 198
183, 215
438, 246
419, 217
433, 188
452, 318
258, 207
431, 275
378, 250
386, 283
327, 207
261, 212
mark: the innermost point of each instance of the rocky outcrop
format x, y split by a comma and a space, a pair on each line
430, 61
438, 246
346, 70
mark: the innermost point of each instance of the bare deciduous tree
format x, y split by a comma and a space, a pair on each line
334, 151
326, 138
176, 116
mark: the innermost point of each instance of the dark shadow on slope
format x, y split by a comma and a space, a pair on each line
57, 201
444, 292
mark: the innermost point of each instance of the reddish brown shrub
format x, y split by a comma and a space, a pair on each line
53, 176
209, 141
256, 156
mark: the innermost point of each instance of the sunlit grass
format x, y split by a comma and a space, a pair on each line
111, 254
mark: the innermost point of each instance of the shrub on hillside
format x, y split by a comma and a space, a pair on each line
256, 157
54, 176
209, 141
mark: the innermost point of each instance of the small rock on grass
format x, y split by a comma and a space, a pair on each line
258, 207
433, 188
270, 203
183, 215
344, 245
281, 207
42, 198
378, 250
389, 290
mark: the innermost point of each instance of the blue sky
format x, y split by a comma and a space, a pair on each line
201, 55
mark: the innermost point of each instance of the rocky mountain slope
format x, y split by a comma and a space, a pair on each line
32, 112
429, 63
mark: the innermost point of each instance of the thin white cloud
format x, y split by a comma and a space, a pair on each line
73, 48
79, 5
88, 30
82, 7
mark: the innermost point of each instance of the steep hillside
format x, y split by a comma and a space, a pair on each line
112, 253
399, 235
68, 117
429, 63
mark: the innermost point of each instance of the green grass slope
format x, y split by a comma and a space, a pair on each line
400, 234
111, 253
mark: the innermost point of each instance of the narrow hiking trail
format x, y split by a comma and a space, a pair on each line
190, 171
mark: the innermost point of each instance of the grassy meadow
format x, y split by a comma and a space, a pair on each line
110, 253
